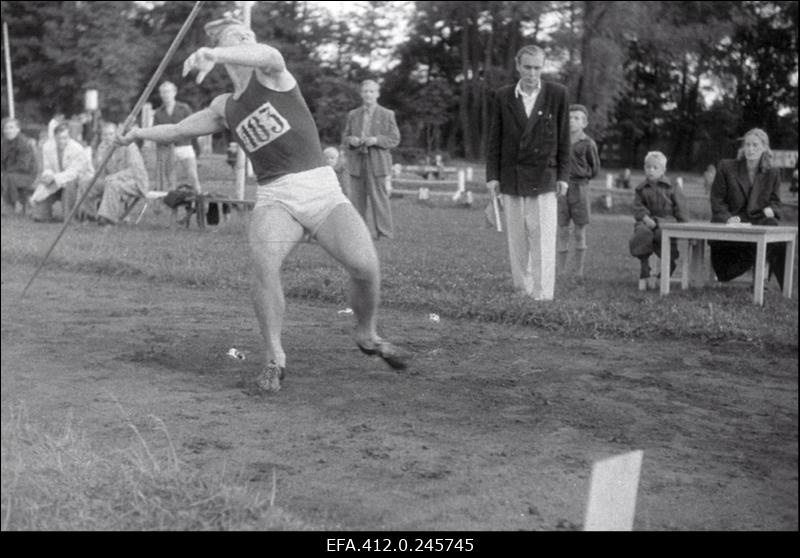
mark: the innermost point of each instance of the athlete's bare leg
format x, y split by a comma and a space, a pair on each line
345, 236
273, 236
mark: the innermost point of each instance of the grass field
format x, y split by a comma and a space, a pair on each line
54, 479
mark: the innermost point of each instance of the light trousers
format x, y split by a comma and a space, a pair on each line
118, 190
532, 228
166, 175
68, 195
371, 188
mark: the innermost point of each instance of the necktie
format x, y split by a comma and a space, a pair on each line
367, 122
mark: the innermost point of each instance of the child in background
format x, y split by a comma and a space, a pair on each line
584, 164
334, 159
655, 200
708, 178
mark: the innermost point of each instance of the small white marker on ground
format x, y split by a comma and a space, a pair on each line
612, 493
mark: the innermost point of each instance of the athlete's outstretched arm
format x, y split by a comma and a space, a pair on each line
202, 123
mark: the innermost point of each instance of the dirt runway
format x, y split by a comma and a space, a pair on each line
494, 428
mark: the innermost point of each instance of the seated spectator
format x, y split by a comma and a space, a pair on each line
19, 167
123, 178
747, 190
65, 165
54, 122
655, 200
336, 160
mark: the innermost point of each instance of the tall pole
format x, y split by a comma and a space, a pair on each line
241, 159
10, 82
125, 127
247, 8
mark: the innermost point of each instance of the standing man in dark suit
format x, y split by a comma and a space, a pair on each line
370, 132
527, 161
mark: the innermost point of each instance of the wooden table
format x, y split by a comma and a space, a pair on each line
702, 232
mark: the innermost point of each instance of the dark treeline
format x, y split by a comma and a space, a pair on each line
687, 78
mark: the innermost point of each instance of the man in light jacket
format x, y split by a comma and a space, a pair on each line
370, 132
66, 165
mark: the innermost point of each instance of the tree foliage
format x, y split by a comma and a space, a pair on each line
61, 49
685, 77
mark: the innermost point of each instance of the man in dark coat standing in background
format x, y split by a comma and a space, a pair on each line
527, 161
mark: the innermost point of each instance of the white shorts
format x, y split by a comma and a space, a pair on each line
308, 196
184, 152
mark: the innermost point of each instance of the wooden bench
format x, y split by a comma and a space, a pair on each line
199, 204
203, 203
148, 198
693, 266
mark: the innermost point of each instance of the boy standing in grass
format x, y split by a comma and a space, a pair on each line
655, 199
584, 164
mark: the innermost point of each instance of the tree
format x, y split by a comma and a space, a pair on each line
741, 53
63, 48
159, 24
761, 60
684, 77
330, 98
471, 45
593, 39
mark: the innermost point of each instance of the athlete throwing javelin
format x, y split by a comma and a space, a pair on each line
298, 192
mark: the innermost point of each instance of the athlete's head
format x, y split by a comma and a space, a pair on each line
229, 32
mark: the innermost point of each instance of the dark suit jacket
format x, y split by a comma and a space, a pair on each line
384, 128
18, 156
731, 193
528, 155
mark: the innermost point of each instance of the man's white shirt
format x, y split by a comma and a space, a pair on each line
527, 99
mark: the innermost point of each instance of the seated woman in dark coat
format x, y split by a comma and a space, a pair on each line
746, 190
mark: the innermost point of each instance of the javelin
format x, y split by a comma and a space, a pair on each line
127, 124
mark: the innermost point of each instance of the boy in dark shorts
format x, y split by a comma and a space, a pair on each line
574, 206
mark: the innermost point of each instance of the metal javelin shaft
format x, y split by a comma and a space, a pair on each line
126, 125
498, 224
